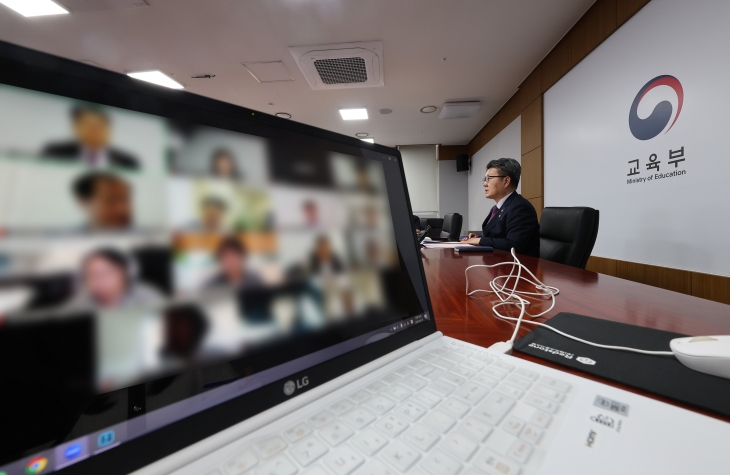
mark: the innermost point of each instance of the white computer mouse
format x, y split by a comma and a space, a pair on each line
706, 354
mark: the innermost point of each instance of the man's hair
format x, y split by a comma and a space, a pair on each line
214, 201
509, 167
78, 110
114, 257
230, 244
84, 186
195, 316
219, 154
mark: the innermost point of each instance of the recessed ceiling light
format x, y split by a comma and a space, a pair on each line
385, 111
29, 8
283, 115
369, 140
156, 77
354, 114
362, 134
429, 109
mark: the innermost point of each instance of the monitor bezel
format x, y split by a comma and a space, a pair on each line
34, 70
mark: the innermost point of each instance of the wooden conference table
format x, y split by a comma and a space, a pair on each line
471, 319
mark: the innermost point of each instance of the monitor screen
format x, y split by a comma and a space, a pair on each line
160, 259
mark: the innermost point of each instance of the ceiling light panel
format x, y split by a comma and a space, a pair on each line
30, 8
369, 140
156, 77
459, 110
354, 114
101, 5
273, 71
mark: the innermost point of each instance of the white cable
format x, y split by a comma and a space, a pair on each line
514, 297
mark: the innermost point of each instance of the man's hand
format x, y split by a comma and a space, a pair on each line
471, 236
474, 241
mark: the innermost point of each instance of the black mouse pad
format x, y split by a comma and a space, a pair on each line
662, 375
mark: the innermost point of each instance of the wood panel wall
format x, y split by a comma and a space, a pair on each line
706, 286
449, 152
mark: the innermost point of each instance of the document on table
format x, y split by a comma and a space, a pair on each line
442, 245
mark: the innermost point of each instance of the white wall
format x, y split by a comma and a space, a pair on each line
507, 144
420, 165
678, 221
452, 190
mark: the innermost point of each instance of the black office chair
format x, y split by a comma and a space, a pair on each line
436, 226
416, 222
451, 229
567, 235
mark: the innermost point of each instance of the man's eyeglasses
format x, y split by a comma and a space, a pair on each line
489, 177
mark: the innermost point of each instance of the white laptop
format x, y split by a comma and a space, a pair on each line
273, 316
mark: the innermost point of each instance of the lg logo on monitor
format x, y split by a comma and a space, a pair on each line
291, 386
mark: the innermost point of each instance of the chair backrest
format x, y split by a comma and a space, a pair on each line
451, 228
416, 222
567, 235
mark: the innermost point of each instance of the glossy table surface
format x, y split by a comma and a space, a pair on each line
471, 319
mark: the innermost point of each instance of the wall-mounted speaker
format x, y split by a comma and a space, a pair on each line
462, 163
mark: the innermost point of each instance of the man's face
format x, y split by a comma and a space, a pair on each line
212, 216
110, 206
92, 130
494, 188
231, 263
311, 215
104, 281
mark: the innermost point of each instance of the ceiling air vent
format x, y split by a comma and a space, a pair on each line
341, 65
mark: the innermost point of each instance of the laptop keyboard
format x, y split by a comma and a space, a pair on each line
449, 411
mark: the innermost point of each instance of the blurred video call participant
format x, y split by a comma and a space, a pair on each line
92, 129
223, 165
108, 279
212, 215
311, 213
106, 199
323, 260
184, 329
231, 257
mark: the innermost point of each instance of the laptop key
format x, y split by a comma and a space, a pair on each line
279, 465
392, 378
486, 380
341, 407
549, 393
439, 421
456, 407
494, 464
343, 461
400, 455
411, 411
511, 390
520, 451
380, 404
360, 396
398, 392
427, 398
555, 384
270, 446
297, 432
503, 366
541, 403
531, 434
476, 428
242, 463
494, 372
376, 467
358, 418
429, 358
335, 433
531, 375
369, 441
459, 446
444, 364
472, 393
414, 382
391, 425
376, 387
454, 379
541, 419
521, 383
308, 450
421, 437
321, 418
438, 463
472, 365
494, 408
442, 387
513, 425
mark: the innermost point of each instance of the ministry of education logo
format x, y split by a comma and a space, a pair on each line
650, 127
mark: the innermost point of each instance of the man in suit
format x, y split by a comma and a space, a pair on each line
512, 222
92, 128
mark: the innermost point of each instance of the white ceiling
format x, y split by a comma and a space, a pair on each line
490, 46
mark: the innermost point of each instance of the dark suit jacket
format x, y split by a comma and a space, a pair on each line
515, 225
71, 151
